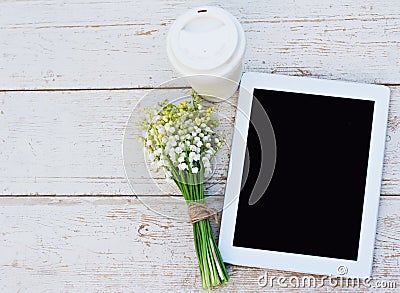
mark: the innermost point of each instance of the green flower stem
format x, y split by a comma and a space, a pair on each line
211, 265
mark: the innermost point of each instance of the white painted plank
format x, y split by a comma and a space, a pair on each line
69, 143
116, 244
120, 44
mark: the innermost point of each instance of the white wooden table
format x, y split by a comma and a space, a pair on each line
70, 74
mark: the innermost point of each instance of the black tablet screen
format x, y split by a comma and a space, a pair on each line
313, 204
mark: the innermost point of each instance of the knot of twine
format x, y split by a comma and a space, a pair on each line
199, 211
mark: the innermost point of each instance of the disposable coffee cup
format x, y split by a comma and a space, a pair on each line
206, 45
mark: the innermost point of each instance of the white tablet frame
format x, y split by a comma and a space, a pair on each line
360, 268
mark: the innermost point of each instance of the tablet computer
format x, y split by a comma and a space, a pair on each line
304, 177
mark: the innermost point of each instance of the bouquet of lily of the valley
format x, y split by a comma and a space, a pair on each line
180, 138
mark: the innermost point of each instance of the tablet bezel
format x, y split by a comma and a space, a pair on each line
360, 268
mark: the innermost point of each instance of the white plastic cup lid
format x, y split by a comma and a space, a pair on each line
204, 38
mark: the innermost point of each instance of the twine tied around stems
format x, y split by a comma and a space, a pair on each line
199, 211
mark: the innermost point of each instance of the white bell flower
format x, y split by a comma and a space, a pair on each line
183, 166
178, 150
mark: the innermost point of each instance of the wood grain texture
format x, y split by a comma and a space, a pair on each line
121, 44
117, 245
55, 143
69, 143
